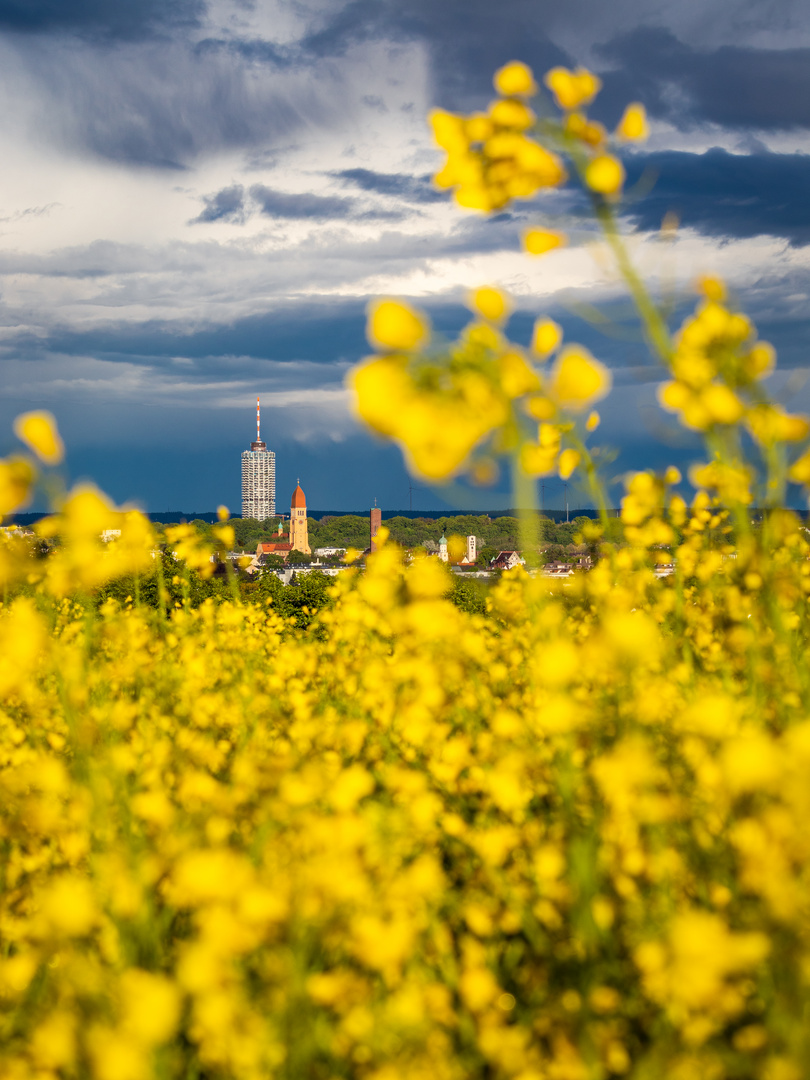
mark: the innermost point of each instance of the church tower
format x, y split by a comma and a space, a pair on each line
299, 540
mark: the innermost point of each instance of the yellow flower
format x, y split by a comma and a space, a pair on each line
490, 303
511, 114
569, 459
605, 175
572, 88
381, 387
539, 241
538, 460
393, 325
588, 131
151, 1006
633, 124
517, 377
593, 421
769, 424
39, 431
721, 404
16, 480
448, 131
577, 379
515, 78
732, 482
541, 407
546, 337
799, 471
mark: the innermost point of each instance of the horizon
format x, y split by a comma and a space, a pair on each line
199, 200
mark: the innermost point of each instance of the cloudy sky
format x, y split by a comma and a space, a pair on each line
198, 198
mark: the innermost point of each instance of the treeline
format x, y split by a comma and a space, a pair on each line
352, 530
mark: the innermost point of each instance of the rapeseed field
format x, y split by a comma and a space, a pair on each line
565, 840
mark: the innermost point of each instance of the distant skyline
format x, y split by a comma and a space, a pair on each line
199, 197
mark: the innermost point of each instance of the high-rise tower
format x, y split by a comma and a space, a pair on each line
258, 477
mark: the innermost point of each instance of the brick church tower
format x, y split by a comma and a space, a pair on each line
375, 518
299, 540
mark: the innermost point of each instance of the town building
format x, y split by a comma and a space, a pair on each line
258, 477
443, 548
263, 549
299, 533
329, 552
506, 560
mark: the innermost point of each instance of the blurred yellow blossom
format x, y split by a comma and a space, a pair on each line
633, 124
539, 241
39, 431
572, 88
393, 325
515, 78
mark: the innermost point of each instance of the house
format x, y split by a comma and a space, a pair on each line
264, 549
506, 560
557, 569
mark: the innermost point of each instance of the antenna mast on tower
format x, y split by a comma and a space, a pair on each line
258, 421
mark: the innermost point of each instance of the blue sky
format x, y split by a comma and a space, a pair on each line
198, 199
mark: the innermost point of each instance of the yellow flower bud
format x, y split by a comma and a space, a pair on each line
38, 431
539, 241
223, 513
760, 360
392, 325
593, 421
515, 78
712, 288
633, 124
490, 303
605, 175
672, 475
546, 337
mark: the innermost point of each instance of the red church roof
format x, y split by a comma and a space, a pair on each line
298, 498
268, 549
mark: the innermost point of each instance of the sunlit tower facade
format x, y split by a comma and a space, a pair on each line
258, 477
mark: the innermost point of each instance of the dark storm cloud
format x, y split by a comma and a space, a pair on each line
284, 204
466, 39
417, 189
727, 195
116, 19
232, 205
225, 205
732, 86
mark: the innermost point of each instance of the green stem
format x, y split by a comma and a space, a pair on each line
657, 331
